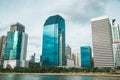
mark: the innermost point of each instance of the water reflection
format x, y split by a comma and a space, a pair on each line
39, 77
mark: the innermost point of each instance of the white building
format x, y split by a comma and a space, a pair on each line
102, 42
70, 62
15, 63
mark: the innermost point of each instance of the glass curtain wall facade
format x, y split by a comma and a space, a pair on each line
2, 48
116, 43
13, 46
53, 47
86, 56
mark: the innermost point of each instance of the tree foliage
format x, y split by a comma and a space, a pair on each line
51, 69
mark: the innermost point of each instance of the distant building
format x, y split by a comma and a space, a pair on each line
86, 59
116, 43
69, 62
68, 51
102, 42
32, 59
76, 58
16, 46
53, 46
2, 48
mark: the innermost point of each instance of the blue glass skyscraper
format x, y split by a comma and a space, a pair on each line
53, 46
16, 47
13, 46
86, 60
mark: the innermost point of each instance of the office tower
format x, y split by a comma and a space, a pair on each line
86, 59
53, 46
76, 58
16, 46
69, 60
102, 42
116, 42
68, 51
2, 48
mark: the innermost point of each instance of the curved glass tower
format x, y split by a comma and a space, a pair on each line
53, 46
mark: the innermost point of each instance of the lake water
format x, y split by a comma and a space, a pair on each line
39, 77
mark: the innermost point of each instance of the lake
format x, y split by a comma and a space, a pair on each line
42, 77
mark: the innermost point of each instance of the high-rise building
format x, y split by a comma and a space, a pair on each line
2, 48
86, 58
68, 51
102, 42
76, 58
16, 46
69, 60
53, 46
116, 42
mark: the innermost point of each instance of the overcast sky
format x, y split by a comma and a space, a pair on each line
77, 14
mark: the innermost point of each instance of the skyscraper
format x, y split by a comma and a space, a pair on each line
86, 59
69, 61
16, 45
68, 51
116, 42
53, 46
102, 42
2, 48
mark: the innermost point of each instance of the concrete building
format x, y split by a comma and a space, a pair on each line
69, 62
68, 51
16, 46
102, 42
76, 58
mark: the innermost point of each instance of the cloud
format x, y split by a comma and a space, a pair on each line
4, 27
81, 11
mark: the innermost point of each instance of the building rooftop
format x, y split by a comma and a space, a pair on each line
99, 18
53, 20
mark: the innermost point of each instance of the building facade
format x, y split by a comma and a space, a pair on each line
69, 62
68, 51
53, 46
76, 57
16, 46
2, 48
86, 58
116, 43
102, 42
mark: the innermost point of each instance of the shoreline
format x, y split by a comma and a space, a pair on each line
69, 74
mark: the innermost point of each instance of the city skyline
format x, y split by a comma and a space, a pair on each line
32, 14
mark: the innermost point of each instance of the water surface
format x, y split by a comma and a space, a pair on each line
39, 77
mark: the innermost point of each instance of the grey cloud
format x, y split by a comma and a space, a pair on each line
81, 11
34, 41
35, 44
